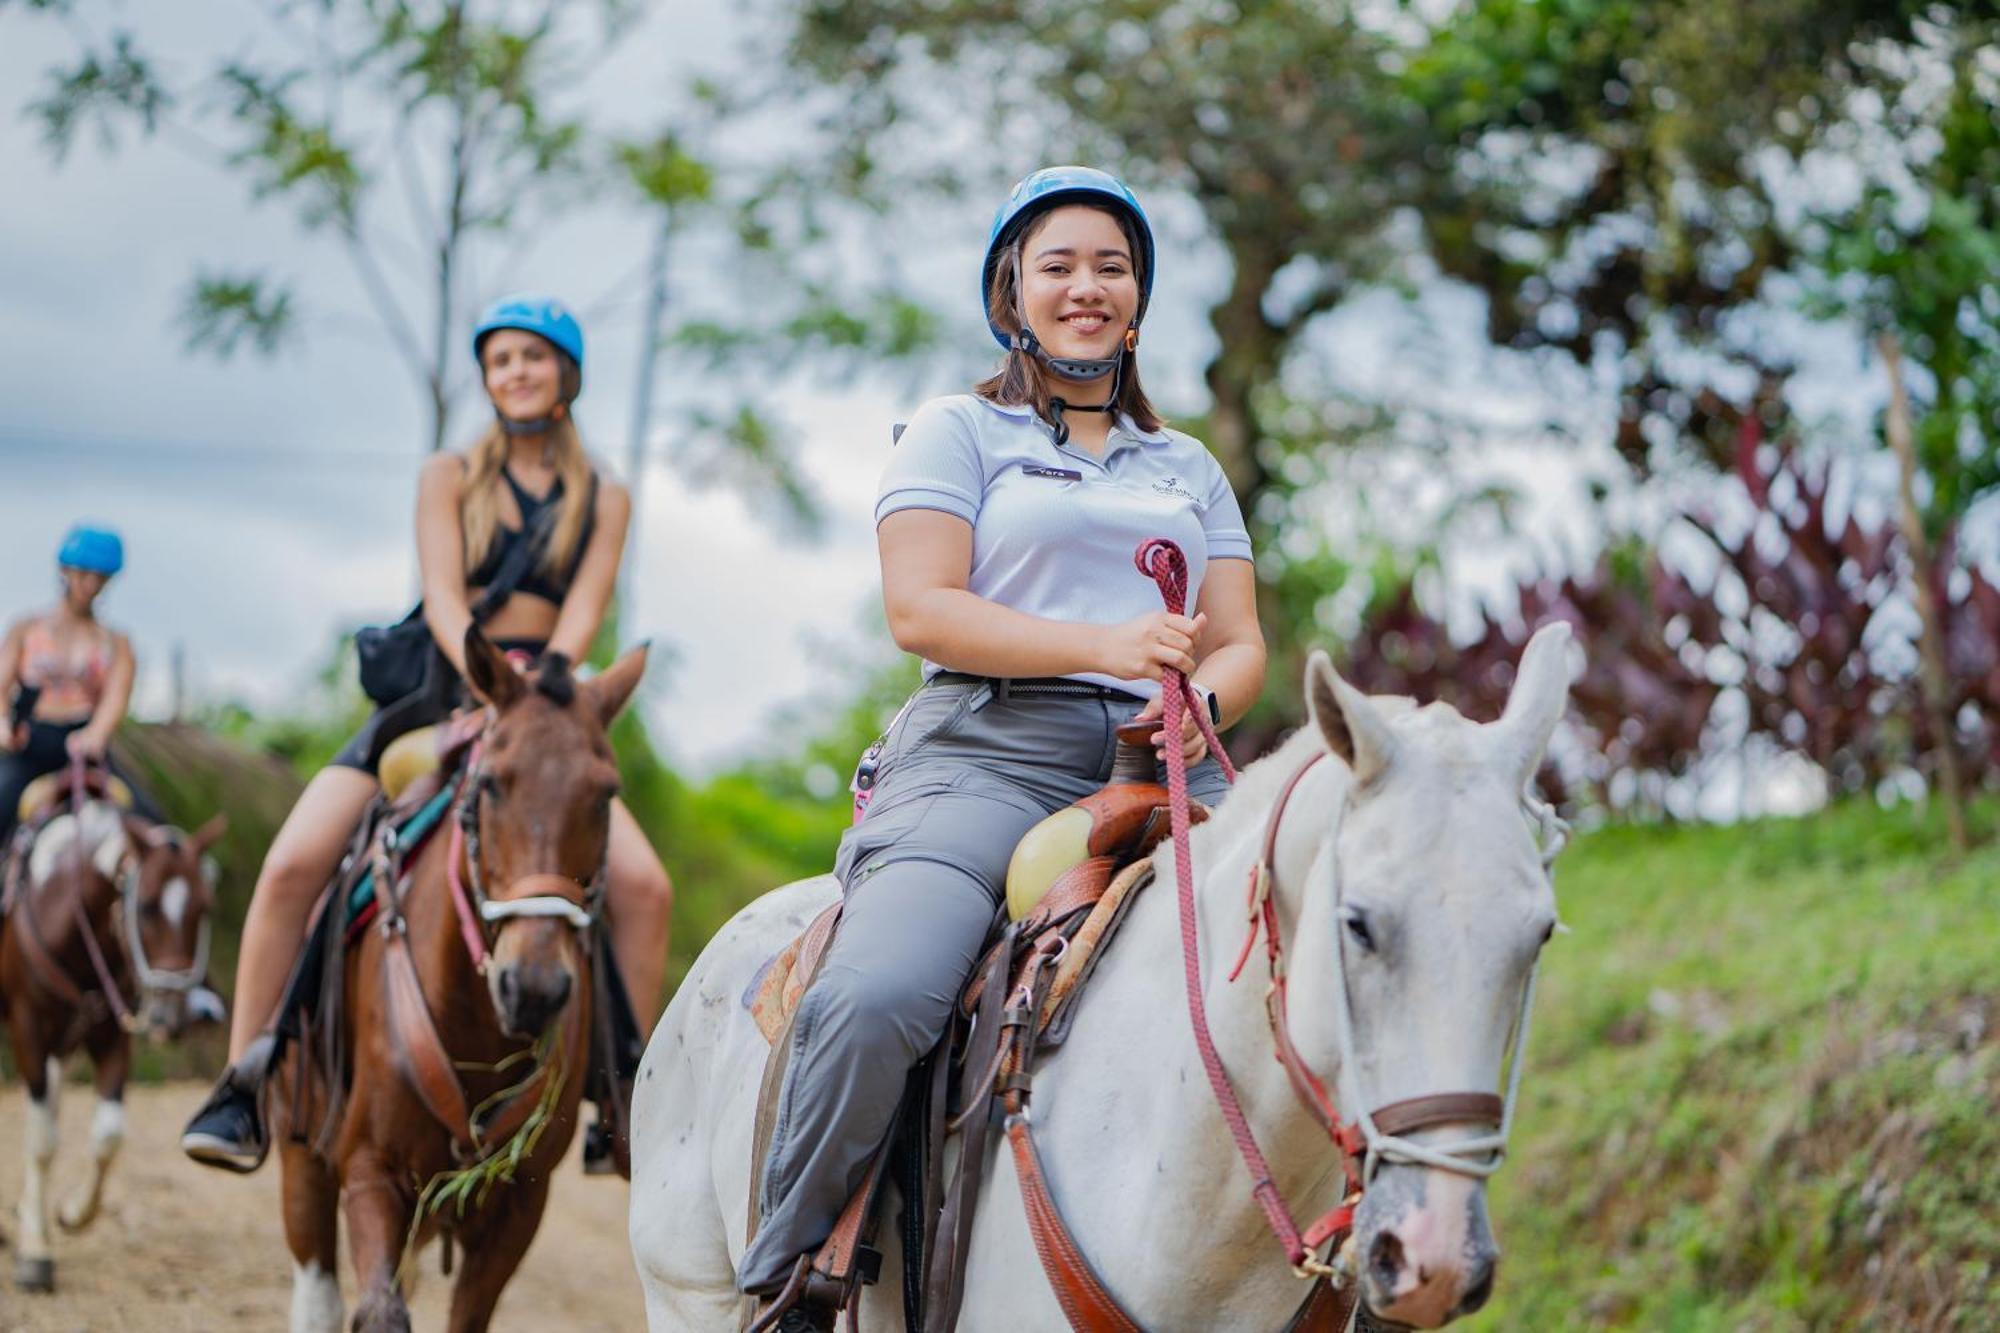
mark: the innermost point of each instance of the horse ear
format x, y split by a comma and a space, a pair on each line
487, 670
612, 689
208, 834
1541, 692
1353, 726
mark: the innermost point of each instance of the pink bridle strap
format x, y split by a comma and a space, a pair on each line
461, 898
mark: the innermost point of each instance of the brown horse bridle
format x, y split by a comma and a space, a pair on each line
152, 979
425, 1062
1373, 1137
547, 894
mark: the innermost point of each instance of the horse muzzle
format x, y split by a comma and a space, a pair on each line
528, 996
1424, 1247
163, 1015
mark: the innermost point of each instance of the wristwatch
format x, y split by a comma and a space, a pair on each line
1207, 696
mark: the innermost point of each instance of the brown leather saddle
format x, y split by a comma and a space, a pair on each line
1070, 884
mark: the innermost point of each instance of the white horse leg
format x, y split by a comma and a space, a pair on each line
107, 1135
316, 1303
34, 1267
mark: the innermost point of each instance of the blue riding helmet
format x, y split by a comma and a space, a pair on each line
543, 315
1052, 187
95, 549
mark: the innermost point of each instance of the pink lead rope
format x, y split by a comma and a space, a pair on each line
461, 901
1165, 563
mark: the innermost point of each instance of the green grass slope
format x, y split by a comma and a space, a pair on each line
1764, 1085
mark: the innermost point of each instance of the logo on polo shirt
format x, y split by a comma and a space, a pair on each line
1173, 486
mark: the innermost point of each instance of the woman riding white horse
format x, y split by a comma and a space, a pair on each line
1007, 522
1412, 897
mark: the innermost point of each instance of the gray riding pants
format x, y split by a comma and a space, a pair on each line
963, 774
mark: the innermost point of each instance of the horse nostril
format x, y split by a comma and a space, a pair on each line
1479, 1285
509, 987
1385, 1260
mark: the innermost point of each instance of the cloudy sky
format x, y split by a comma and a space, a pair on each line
266, 504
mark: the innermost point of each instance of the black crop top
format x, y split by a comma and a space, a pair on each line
538, 581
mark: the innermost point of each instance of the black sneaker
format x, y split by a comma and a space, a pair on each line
597, 1155
226, 1132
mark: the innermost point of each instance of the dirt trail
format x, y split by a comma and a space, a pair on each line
179, 1247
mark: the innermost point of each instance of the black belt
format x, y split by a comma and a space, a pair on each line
1034, 686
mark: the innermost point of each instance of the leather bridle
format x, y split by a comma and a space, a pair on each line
173, 980
543, 894
1373, 1137
1383, 1134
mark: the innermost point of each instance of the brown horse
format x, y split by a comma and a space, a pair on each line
459, 1064
101, 905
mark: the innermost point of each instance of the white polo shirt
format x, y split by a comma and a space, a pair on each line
1054, 530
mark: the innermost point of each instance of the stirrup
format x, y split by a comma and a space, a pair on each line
792, 1309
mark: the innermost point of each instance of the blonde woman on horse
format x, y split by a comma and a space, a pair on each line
527, 477
1007, 522
65, 677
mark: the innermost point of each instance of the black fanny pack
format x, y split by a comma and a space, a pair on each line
402, 660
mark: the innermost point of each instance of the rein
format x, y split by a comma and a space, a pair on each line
1166, 565
1372, 1137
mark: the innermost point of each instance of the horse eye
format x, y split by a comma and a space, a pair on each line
1357, 927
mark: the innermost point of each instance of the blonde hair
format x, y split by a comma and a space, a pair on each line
479, 505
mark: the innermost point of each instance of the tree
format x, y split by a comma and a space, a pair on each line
404, 132
1586, 166
1916, 262
1608, 183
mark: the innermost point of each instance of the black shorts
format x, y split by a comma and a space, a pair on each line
47, 751
363, 751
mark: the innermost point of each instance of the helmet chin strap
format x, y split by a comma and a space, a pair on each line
534, 426
1078, 370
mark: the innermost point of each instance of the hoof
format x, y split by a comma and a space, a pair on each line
384, 1314
74, 1220
35, 1274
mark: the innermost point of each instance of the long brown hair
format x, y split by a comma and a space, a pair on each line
1023, 379
479, 505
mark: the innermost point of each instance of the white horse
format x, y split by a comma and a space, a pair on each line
1413, 900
